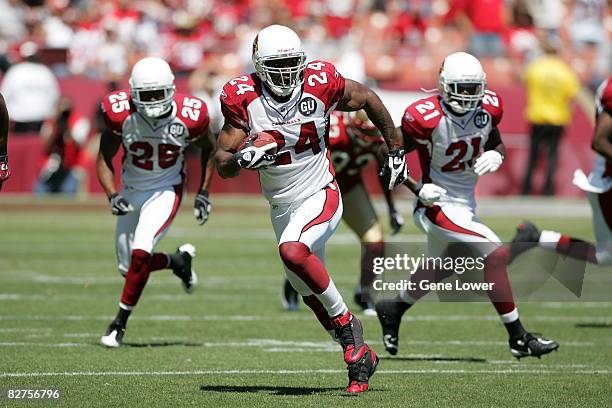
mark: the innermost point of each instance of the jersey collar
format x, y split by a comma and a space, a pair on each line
460, 120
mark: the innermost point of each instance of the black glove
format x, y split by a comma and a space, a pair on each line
202, 206
397, 222
395, 167
5, 172
119, 205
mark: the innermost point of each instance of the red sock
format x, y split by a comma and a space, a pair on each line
319, 310
136, 277
159, 260
298, 258
495, 272
577, 248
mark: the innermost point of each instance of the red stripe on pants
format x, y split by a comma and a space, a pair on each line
437, 216
330, 206
178, 191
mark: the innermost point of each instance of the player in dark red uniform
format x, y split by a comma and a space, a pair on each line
5, 173
355, 142
597, 186
154, 125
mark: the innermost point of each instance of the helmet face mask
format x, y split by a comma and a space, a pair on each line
279, 60
154, 101
463, 97
284, 73
152, 87
462, 82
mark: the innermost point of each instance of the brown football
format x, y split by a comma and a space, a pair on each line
260, 139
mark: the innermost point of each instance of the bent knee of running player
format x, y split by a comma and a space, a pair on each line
156, 216
311, 225
316, 219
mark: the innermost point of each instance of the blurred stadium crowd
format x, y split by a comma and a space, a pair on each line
397, 41
392, 45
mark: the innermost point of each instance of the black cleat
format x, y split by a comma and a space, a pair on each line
529, 345
188, 277
290, 298
390, 314
349, 333
114, 335
360, 359
359, 373
527, 236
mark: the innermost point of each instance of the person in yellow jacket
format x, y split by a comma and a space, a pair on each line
551, 86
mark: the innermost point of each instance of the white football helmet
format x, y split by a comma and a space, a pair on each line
462, 82
152, 86
279, 59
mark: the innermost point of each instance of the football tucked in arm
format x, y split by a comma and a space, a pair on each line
257, 151
262, 140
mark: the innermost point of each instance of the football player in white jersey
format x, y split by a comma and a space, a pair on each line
291, 99
456, 136
598, 186
154, 124
355, 142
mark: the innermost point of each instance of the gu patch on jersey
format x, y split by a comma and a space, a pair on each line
481, 119
176, 129
307, 106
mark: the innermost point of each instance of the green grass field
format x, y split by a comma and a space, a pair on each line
231, 344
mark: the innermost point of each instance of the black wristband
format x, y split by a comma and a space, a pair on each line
4, 158
203, 192
397, 151
112, 196
417, 188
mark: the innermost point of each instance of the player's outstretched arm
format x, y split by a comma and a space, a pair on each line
4, 125
206, 143
358, 96
602, 138
428, 193
202, 205
227, 143
109, 145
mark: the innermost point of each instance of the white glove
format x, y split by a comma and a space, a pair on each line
430, 193
582, 181
252, 157
488, 162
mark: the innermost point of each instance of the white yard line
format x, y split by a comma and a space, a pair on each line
292, 372
304, 317
288, 345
